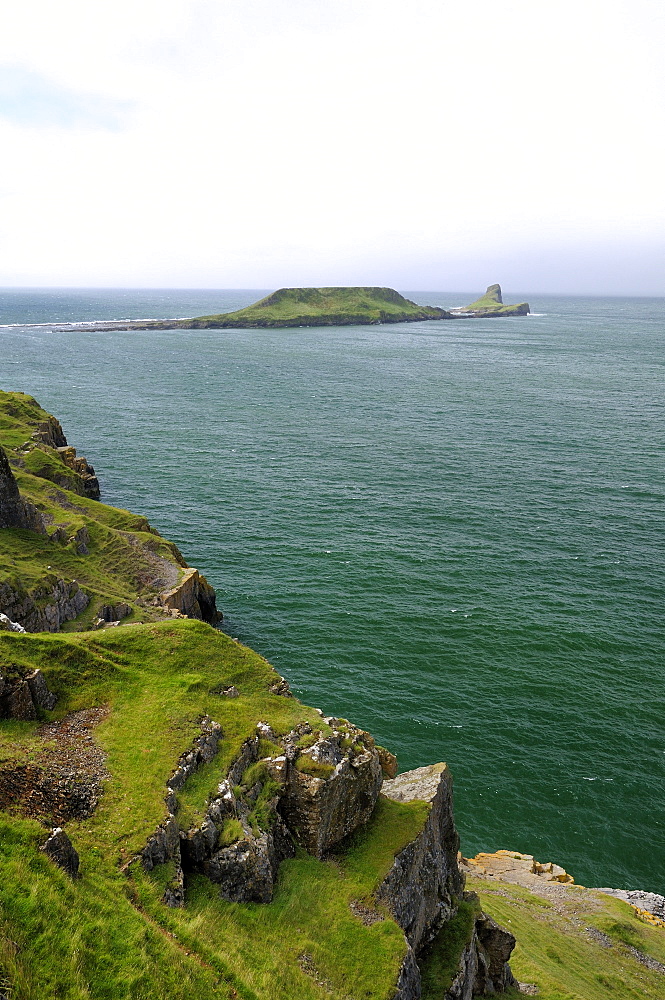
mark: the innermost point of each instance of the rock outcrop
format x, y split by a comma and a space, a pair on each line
60, 850
14, 511
483, 967
331, 787
6, 625
84, 482
424, 888
45, 608
430, 861
22, 696
193, 597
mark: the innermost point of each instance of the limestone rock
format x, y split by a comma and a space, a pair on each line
193, 597
60, 849
9, 626
246, 871
424, 884
17, 703
322, 810
495, 946
163, 845
14, 511
41, 696
45, 608
388, 762
483, 967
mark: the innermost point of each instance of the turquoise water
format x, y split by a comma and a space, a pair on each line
449, 532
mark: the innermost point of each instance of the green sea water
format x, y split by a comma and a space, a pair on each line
449, 532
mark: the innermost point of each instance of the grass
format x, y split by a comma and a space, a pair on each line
560, 947
157, 680
440, 964
309, 915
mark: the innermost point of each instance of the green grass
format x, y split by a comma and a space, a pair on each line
315, 768
440, 964
157, 680
322, 306
559, 954
310, 914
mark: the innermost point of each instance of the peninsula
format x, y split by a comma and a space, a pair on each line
343, 306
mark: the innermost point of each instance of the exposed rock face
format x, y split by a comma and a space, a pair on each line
424, 887
89, 481
429, 862
20, 697
650, 902
41, 696
14, 511
483, 968
45, 608
193, 597
50, 432
85, 483
60, 849
321, 811
247, 870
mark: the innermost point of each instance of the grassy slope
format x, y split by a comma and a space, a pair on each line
120, 565
323, 306
558, 952
158, 679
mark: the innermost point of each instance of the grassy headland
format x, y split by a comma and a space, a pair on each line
290, 307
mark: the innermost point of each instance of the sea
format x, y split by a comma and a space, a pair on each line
451, 533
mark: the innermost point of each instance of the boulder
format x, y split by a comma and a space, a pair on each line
41, 696
17, 703
60, 850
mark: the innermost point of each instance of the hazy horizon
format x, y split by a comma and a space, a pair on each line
294, 142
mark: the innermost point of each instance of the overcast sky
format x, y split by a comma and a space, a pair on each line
428, 144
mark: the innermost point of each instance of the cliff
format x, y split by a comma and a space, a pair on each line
81, 561
209, 830
211, 835
491, 304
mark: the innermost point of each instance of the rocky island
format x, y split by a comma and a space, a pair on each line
174, 823
489, 305
344, 306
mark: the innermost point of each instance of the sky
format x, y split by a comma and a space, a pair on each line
422, 144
